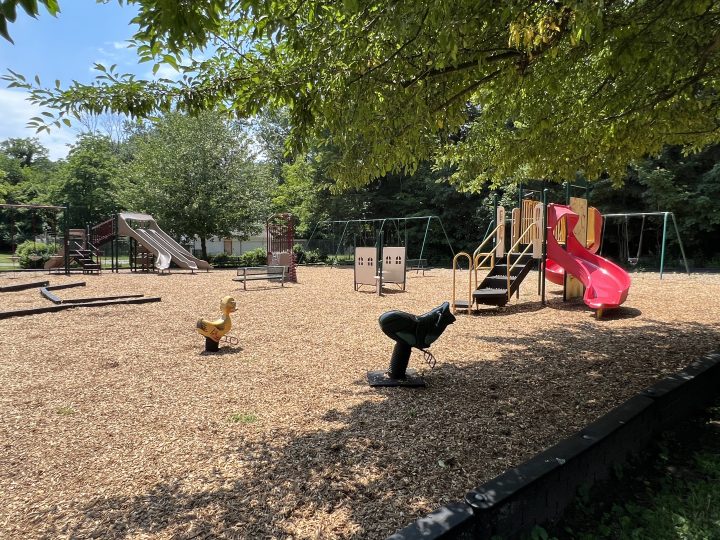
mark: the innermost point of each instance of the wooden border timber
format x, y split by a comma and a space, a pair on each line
45, 291
24, 286
61, 307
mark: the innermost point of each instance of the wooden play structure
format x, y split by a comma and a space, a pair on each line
560, 241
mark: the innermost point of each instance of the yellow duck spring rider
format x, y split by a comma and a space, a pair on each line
216, 330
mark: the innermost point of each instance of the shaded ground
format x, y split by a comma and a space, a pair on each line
671, 491
114, 423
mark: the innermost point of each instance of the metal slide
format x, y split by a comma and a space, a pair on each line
162, 257
152, 237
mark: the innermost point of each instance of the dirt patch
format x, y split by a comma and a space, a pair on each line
114, 423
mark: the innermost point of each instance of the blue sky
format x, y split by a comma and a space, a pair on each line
64, 47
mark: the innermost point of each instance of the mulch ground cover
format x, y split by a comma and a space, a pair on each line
115, 424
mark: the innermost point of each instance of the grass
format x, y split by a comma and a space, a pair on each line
242, 418
6, 262
65, 411
673, 494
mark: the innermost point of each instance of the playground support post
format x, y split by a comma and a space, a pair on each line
379, 260
493, 220
422, 247
662, 250
543, 259
682, 249
66, 240
427, 227
337, 251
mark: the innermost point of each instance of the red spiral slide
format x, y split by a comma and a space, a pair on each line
606, 284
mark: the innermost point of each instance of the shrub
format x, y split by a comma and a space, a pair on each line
254, 257
34, 254
220, 260
311, 256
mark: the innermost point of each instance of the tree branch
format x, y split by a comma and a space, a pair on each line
396, 53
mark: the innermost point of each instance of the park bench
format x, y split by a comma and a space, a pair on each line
252, 273
417, 265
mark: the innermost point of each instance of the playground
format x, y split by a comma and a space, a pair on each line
116, 423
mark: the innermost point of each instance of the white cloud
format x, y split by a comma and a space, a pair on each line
166, 72
15, 111
116, 52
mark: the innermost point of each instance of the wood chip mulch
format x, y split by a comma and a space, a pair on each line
115, 424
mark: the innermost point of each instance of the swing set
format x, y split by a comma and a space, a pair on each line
364, 232
624, 238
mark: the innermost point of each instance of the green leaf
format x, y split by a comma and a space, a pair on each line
9, 11
30, 7
4, 30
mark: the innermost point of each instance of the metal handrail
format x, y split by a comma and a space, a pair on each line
487, 239
510, 252
470, 276
479, 265
510, 268
519, 240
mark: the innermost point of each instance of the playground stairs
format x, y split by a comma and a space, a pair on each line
103, 233
493, 290
85, 259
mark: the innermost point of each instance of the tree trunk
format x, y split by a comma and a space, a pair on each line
203, 248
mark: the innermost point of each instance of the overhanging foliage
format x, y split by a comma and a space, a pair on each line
553, 87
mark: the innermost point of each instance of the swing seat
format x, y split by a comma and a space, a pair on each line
633, 260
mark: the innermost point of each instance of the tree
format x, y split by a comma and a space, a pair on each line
90, 180
559, 86
198, 177
272, 130
26, 172
26, 151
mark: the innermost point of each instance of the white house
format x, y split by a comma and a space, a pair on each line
230, 246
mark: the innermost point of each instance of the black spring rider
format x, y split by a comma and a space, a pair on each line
409, 331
